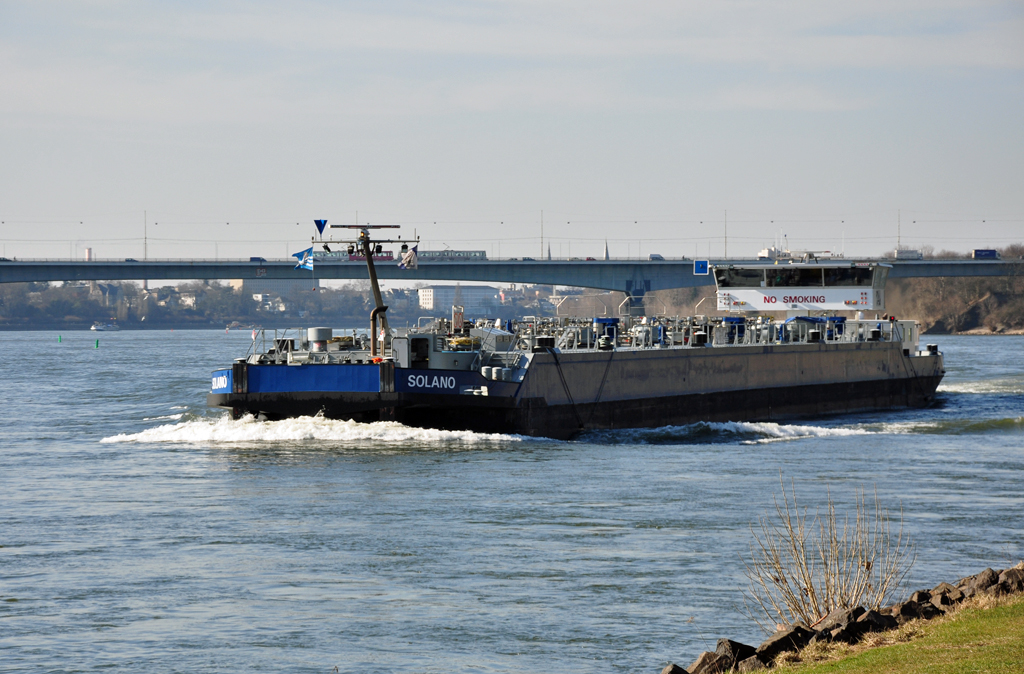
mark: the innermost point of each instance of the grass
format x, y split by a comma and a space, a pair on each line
985, 634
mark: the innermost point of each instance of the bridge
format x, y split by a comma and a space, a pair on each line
632, 276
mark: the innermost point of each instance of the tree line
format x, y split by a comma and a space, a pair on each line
197, 303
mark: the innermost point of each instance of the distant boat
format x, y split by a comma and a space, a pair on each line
105, 327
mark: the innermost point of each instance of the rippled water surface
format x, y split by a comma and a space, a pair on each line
141, 531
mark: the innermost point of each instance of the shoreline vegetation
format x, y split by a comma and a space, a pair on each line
973, 625
212, 304
983, 634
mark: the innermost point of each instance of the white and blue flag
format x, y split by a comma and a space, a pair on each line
305, 259
409, 260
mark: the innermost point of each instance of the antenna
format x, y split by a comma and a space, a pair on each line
898, 229
726, 234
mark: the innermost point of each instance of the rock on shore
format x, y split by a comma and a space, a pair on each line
850, 625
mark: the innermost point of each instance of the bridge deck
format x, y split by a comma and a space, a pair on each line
631, 276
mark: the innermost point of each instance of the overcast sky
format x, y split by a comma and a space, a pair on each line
639, 123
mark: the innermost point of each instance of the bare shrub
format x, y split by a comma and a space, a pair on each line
802, 570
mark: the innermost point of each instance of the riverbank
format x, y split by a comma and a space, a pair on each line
86, 326
988, 331
845, 632
69, 326
984, 634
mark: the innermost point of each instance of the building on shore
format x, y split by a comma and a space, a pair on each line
475, 299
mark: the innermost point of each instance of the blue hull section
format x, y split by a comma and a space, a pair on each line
300, 378
436, 381
344, 379
319, 378
221, 382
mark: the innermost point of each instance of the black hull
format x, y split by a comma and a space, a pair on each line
533, 416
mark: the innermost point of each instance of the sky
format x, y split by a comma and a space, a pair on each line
222, 129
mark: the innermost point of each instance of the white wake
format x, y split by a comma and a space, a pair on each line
1009, 386
225, 430
743, 432
773, 432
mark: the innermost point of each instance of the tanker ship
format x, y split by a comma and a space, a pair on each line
559, 377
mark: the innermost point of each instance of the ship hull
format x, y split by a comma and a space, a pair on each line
763, 404
565, 394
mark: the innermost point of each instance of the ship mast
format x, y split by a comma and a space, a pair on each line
380, 309
368, 248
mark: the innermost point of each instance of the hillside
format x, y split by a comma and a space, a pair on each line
960, 305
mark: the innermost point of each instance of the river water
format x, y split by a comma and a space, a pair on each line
142, 532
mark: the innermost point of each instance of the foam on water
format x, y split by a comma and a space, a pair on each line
172, 417
744, 432
949, 426
224, 430
987, 386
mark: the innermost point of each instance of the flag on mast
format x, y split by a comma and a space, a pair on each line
409, 260
305, 258
320, 224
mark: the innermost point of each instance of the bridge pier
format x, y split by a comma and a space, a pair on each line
633, 305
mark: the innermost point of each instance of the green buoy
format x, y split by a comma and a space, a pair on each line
97, 343
58, 339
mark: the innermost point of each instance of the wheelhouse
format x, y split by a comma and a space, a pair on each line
808, 286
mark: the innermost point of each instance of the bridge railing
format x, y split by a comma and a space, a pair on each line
715, 260
245, 260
